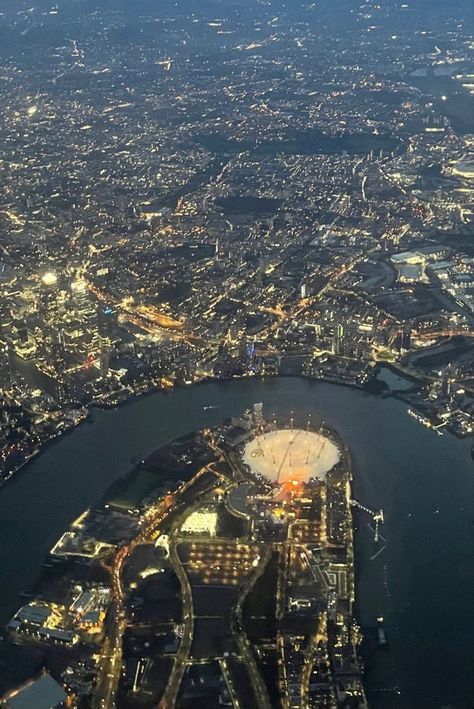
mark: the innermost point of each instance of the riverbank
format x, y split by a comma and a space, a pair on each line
165, 466
424, 484
152, 391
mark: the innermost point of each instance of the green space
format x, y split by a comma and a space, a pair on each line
130, 493
459, 105
248, 205
308, 142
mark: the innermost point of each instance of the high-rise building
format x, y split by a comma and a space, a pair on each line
49, 298
5, 367
81, 303
446, 383
104, 364
107, 324
337, 341
84, 309
406, 339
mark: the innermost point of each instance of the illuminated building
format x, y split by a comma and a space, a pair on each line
83, 338
201, 522
291, 455
49, 279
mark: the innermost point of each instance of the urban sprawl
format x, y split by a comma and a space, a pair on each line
218, 193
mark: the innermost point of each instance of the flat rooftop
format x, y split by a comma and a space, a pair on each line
42, 693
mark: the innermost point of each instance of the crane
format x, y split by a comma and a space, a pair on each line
376, 516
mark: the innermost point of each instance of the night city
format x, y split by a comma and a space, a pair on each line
236, 354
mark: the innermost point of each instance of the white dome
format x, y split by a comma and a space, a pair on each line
288, 454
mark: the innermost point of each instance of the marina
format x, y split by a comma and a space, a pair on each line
425, 421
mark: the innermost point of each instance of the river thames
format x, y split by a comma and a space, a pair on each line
421, 582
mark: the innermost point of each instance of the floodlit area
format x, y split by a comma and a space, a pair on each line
201, 522
287, 454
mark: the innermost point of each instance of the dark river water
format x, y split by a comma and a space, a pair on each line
422, 582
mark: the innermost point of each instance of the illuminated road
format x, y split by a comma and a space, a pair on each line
230, 685
174, 682
110, 664
258, 685
171, 693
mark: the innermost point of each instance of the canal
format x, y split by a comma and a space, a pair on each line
421, 581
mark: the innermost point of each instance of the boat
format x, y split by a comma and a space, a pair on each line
209, 406
381, 635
